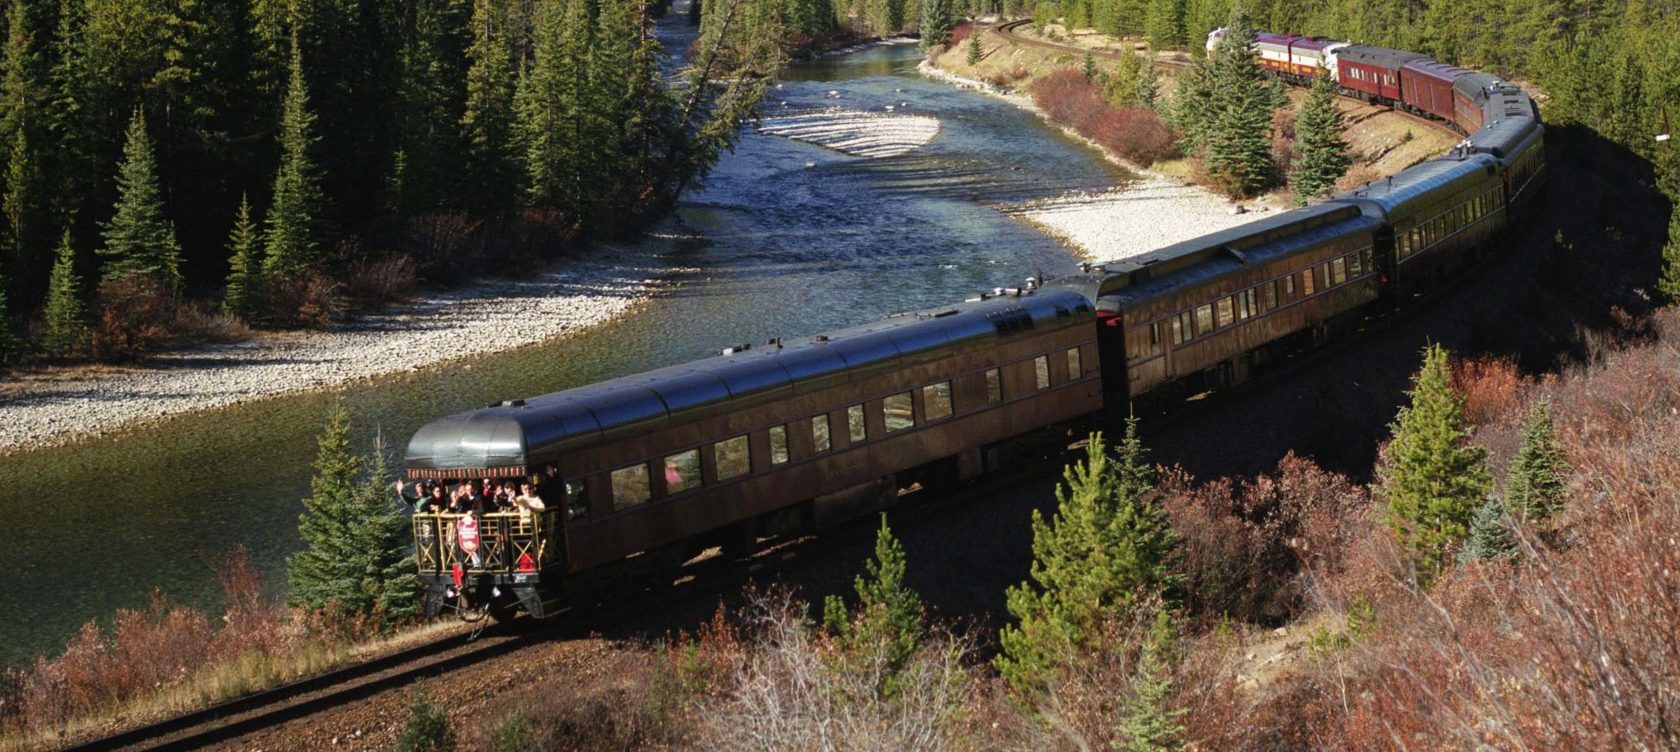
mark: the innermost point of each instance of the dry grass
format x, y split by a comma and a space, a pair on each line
167, 659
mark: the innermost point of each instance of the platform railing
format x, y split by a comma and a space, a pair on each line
506, 542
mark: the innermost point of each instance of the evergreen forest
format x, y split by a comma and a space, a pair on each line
159, 151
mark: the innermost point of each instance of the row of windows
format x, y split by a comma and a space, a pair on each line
1424, 235
1365, 75
732, 457
1240, 306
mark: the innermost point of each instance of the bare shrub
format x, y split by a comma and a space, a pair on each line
204, 321
382, 279
148, 652
134, 317
1243, 543
1491, 387
1137, 134
1008, 78
310, 300
635, 704
443, 245
792, 691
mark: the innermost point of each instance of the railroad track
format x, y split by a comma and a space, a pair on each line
1007, 31
238, 717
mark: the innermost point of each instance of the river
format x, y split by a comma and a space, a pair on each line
796, 239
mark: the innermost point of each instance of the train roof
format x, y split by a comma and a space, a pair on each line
1420, 185
1381, 57
1209, 256
1293, 40
1435, 69
1506, 138
517, 436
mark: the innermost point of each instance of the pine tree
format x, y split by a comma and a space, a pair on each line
889, 614
491, 173
65, 316
11, 346
1165, 24
974, 51
1431, 476
1236, 139
1123, 85
434, 72
357, 563
1669, 284
24, 224
292, 242
552, 110
1324, 155
244, 297
1534, 485
937, 20
1150, 723
1490, 532
1088, 68
1149, 86
1107, 544
139, 239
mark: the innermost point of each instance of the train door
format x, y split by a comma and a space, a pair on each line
1111, 349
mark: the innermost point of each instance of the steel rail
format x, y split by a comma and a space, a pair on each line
240, 716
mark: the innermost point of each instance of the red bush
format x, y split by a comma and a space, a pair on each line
1491, 387
1136, 134
959, 34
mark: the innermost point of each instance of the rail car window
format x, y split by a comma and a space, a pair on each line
854, 424
577, 500
1041, 371
1356, 264
1307, 282
1268, 296
732, 457
1204, 319
1245, 304
1338, 271
630, 486
898, 411
819, 434
1155, 338
994, 385
682, 472
1073, 364
1181, 330
1289, 287
1227, 312
936, 400
778, 445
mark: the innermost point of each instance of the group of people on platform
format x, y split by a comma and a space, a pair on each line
485, 496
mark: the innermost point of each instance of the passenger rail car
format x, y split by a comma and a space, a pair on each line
763, 440
651, 468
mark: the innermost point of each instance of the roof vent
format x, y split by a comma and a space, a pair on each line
820, 338
743, 347
510, 403
775, 342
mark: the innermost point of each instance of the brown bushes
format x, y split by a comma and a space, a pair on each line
149, 651
384, 279
309, 301
1243, 544
1136, 134
137, 315
1491, 387
959, 34
1006, 79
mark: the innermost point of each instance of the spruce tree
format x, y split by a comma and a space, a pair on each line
1534, 485
1490, 532
1432, 477
11, 346
491, 173
65, 317
1149, 722
1324, 155
357, 563
244, 297
1088, 67
937, 20
974, 51
291, 240
1669, 283
889, 614
25, 234
1149, 86
554, 90
1165, 24
429, 138
139, 239
1107, 544
1235, 138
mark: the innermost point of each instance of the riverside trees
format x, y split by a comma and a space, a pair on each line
1324, 155
356, 130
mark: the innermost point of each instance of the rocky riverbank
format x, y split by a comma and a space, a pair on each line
1126, 221
52, 407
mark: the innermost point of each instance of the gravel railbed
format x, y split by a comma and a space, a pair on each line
53, 407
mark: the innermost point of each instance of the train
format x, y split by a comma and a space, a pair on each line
644, 472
